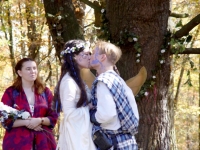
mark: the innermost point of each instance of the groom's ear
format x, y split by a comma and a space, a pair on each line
103, 57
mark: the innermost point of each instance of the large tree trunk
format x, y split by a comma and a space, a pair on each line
148, 20
62, 22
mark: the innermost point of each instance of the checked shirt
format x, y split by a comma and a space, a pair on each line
129, 123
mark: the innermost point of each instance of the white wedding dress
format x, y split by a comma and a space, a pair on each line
75, 127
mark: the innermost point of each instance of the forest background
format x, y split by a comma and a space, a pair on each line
25, 31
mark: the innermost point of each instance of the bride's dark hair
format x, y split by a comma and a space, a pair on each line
69, 64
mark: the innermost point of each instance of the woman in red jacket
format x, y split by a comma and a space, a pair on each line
29, 94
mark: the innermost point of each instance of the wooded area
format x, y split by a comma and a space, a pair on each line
160, 35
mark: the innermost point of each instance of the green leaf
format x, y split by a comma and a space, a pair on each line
179, 24
181, 48
191, 64
153, 82
188, 73
188, 82
139, 50
136, 45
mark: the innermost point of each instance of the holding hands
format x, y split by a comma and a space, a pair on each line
34, 124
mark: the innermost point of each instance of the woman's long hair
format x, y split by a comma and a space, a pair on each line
69, 65
38, 86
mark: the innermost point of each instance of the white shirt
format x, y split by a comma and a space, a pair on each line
106, 108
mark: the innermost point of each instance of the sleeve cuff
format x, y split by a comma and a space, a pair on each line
92, 117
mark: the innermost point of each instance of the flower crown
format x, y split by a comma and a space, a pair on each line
73, 49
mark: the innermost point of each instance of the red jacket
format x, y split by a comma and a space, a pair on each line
22, 138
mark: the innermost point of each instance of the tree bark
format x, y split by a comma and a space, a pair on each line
62, 22
147, 19
33, 34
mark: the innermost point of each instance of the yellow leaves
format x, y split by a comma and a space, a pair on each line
184, 109
186, 125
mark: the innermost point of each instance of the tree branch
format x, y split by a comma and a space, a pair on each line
92, 5
188, 27
89, 25
175, 15
190, 51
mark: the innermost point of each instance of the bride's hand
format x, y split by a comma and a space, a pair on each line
91, 106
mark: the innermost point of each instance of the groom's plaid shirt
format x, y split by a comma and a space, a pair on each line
129, 123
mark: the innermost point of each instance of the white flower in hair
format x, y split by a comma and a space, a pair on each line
6, 115
62, 61
62, 53
1, 119
73, 49
80, 45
